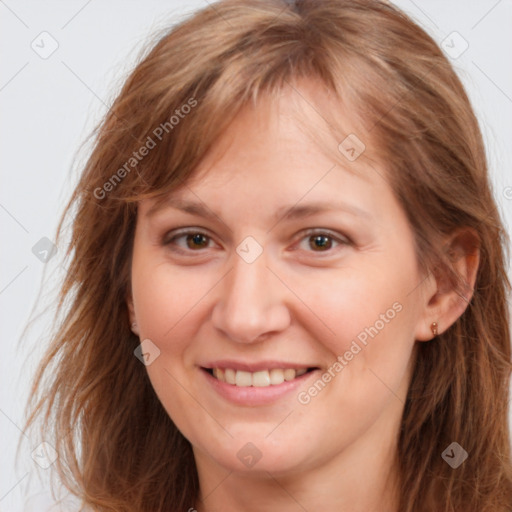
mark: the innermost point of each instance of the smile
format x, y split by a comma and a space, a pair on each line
261, 378
256, 383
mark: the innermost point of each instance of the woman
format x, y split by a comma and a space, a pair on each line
287, 277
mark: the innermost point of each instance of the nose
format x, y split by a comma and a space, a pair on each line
252, 302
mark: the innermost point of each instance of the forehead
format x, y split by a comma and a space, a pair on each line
290, 144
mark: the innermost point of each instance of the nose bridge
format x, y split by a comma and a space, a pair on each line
251, 301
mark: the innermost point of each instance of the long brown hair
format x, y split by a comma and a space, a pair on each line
118, 448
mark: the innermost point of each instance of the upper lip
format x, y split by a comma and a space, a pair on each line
255, 366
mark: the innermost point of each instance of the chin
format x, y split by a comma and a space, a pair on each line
259, 456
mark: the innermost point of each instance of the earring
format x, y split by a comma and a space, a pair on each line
433, 327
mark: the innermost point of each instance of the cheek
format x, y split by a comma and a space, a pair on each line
370, 347
354, 304
165, 299
369, 322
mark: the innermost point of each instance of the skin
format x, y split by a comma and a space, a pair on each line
295, 302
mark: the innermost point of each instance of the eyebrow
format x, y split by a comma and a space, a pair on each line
295, 211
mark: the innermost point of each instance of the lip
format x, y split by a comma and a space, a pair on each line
254, 396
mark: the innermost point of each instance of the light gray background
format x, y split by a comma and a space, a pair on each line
50, 105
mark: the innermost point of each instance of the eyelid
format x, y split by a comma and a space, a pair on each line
326, 231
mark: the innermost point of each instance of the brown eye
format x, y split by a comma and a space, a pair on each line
321, 242
196, 241
187, 241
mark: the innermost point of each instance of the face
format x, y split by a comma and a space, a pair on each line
293, 333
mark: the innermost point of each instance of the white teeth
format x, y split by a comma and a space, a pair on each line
230, 376
276, 376
243, 379
262, 378
289, 374
219, 374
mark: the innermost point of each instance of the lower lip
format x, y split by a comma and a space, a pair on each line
253, 395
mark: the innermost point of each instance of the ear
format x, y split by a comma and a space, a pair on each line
445, 300
131, 314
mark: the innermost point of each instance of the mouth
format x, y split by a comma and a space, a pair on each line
260, 379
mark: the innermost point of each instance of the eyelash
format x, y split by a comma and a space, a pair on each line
342, 241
